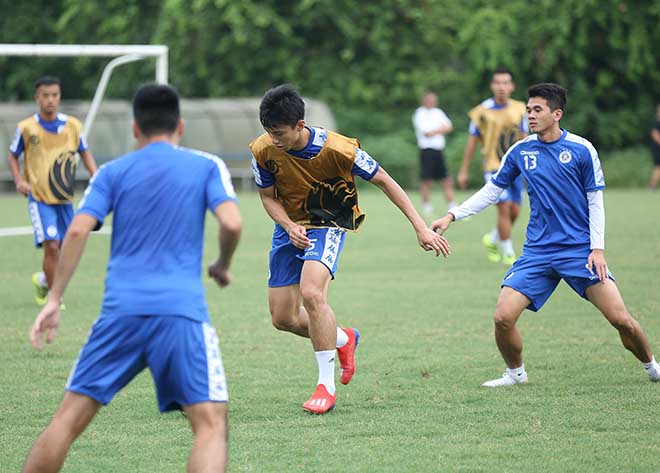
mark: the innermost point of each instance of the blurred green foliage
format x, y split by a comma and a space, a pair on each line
369, 60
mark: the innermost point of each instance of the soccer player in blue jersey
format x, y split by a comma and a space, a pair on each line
565, 234
305, 177
154, 313
49, 142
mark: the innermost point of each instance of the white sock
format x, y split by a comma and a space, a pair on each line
428, 207
494, 236
452, 204
342, 338
515, 372
326, 361
506, 246
42, 279
650, 364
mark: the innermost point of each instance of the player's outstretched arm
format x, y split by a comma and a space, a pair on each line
427, 239
231, 225
72, 249
275, 209
442, 224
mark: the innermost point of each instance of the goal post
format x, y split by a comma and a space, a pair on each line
122, 54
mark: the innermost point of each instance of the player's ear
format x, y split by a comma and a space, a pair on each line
180, 127
136, 130
558, 114
300, 125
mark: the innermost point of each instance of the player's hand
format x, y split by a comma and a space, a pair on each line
23, 187
220, 275
47, 321
462, 179
441, 225
596, 264
432, 241
298, 236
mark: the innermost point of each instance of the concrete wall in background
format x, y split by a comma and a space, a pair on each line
219, 126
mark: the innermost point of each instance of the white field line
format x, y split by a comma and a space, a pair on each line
18, 231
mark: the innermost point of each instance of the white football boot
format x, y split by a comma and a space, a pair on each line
509, 378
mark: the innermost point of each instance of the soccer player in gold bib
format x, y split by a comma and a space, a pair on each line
496, 124
305, 177
50, 143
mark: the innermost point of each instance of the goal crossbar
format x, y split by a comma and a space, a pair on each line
123, 54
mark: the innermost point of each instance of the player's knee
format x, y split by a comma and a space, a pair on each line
503, 318
312, 297
624, 322
51, 247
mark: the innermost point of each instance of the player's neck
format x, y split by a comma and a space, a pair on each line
47, 117
501, 100
550, 135
301, 143
172, 139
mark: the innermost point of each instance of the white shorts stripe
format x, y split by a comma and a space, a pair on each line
37, 226
216, 371
331, 247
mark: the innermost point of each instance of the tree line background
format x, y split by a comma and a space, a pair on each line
369, 60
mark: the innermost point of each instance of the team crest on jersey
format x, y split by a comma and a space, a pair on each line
34, 139
565, 157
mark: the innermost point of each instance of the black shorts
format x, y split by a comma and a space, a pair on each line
655, 150
432, 164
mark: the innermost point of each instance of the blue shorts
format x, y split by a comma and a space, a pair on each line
49, 222
537, 277
513, 193
286, 261
182, 354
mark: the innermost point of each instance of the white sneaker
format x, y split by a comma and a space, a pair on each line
427, 208
509, 378
653, 372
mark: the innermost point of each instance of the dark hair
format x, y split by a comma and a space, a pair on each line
503, 70
46, 80
555, 94
281, 105
156, 109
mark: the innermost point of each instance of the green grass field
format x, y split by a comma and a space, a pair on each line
415, 403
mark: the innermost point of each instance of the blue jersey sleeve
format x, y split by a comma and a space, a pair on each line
82, 146
17, 146
509, 170
97, 201
262, 177
364, 166
474, 131
219, 188
591, 171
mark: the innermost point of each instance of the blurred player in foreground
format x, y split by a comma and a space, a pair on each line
154, 313
565, 234
49, 142
305, 177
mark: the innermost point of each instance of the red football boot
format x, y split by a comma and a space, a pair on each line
321, 401
347, 355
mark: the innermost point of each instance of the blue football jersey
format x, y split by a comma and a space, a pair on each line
158, 196
559, 175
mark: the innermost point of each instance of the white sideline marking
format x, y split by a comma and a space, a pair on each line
17, 231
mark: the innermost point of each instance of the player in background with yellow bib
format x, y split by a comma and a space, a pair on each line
496, 124
50, 143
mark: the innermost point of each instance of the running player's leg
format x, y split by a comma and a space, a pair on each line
51, 255
208, 421
74, 414
286, 311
